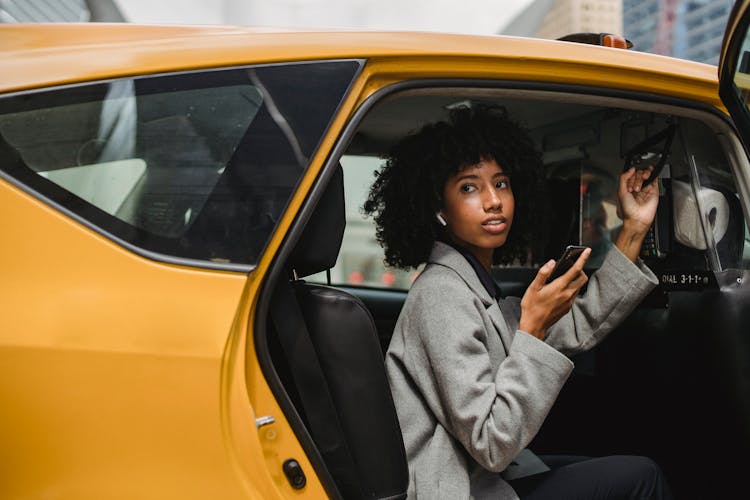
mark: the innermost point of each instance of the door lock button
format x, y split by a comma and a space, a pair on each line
294, 474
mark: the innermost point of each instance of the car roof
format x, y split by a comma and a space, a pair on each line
39, 55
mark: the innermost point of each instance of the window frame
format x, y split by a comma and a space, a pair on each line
151, 254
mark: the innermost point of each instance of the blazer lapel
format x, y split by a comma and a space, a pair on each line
445, 255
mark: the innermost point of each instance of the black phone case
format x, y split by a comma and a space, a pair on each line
566, 261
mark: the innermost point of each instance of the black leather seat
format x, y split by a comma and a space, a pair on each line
370, 461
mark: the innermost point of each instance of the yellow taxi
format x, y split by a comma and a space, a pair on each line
192, 305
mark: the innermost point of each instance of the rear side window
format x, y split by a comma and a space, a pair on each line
194, 166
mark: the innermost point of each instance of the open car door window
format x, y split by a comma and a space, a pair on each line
734, 69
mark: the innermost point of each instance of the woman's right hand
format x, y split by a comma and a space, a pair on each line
545, 303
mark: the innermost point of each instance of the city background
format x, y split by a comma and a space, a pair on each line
688, 29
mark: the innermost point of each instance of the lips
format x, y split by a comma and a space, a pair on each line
495, 224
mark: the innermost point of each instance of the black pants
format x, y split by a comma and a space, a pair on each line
615, 477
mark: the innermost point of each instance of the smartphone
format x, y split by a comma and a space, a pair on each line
566, 261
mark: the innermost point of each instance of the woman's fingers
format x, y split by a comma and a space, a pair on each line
645, 174
652, 189
641, 177
578, 282
632, 179
541, 276
542, 305
577, 268
626, 180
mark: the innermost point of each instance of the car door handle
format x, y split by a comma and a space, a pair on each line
263, 421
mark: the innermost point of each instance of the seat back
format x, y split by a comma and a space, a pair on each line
346, 343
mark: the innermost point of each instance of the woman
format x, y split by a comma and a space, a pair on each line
473, 375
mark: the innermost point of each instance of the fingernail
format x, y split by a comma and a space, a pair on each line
550, 263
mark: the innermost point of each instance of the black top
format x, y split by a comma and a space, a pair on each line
484, 276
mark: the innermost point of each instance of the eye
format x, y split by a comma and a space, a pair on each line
468, 188
502, 184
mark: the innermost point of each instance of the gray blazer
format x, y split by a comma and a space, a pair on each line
471, 390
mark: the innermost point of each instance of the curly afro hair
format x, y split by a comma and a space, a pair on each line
408, 190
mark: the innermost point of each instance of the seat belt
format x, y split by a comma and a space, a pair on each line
312, 387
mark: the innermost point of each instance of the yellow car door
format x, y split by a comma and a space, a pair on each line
137, 214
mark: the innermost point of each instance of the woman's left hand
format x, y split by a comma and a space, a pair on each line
637, 202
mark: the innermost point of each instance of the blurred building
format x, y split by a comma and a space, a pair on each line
689, 29
471, 16
640, 18
555, 18
58, 11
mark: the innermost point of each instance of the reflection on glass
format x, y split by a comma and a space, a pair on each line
599, 220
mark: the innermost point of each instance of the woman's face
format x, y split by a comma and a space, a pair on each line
478, 207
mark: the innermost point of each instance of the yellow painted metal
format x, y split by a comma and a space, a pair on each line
385, 71
110, 365
42, 55
257, 455
143, 377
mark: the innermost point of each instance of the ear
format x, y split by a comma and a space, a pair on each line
441, 219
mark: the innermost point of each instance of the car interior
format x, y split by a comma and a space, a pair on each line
672, 382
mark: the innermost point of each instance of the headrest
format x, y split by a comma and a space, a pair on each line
319, 245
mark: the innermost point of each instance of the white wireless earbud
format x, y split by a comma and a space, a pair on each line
440, 219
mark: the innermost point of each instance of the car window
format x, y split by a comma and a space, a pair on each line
194, 166
584, 144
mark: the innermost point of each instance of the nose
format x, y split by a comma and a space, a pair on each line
492, 201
